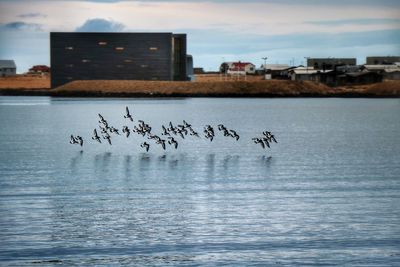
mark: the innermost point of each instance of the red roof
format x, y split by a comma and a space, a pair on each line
239, 66
40, 68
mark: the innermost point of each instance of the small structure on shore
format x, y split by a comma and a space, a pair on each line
39, 70
7, 68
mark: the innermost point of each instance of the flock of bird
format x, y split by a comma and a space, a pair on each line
169, 135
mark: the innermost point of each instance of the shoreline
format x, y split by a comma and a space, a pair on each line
237, 89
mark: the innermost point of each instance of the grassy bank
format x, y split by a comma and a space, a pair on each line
270, 88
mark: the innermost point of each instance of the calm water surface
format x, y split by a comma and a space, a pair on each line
327, 194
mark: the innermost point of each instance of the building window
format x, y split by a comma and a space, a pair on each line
69, 48
119, 48
69, 65
102, 43
128, 60
144, 66
85, 60
153, 48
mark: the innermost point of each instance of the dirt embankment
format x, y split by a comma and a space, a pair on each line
205, 88
158, 88
271, 88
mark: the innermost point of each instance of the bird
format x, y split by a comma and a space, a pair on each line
146, 146
126, 130
221, 127
108, 137
259, 141
114, 130
234, 134
102, 120
161, 142
73, 140
172, 141
165, 131
186, 124
266, 141
193, 132
128, 115
80, 140
95, 136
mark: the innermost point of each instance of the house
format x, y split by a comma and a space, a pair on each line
360, 77
275, 71
117, 56
380, 68
7, 68
301, 73
238, 68
39, 69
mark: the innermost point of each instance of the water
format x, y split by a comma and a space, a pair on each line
327, 194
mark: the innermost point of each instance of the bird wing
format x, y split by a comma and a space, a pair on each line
127, 110
262, 144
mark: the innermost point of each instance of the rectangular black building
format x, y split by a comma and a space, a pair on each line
329, 63
117, 56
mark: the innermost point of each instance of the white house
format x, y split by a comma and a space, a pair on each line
241, 68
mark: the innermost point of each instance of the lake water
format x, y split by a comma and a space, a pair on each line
328, 193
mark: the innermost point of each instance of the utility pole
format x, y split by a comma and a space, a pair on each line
306, 58
265, 65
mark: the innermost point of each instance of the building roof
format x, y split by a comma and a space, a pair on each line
382, 67
275, 66
10, 64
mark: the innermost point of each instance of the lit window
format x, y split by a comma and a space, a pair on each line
119, 48
85, 60
102, 43
143, 66
128, 60
69, 48
153, 48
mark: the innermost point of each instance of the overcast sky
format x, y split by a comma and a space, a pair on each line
282, 30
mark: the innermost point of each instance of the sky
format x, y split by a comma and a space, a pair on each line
284, 31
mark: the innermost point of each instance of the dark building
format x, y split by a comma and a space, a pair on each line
329, 63
382, 60
117, 56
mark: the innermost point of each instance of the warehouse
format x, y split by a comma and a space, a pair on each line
117, 56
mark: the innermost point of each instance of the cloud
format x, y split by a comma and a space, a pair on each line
360, 21
100, 25
32, 15
21, 26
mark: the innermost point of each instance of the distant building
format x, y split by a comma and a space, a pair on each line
117, 56
7, 68
39, 69
238, 68
275, 71
329, 63
361, 77
382, 60
198, 70
189, 68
